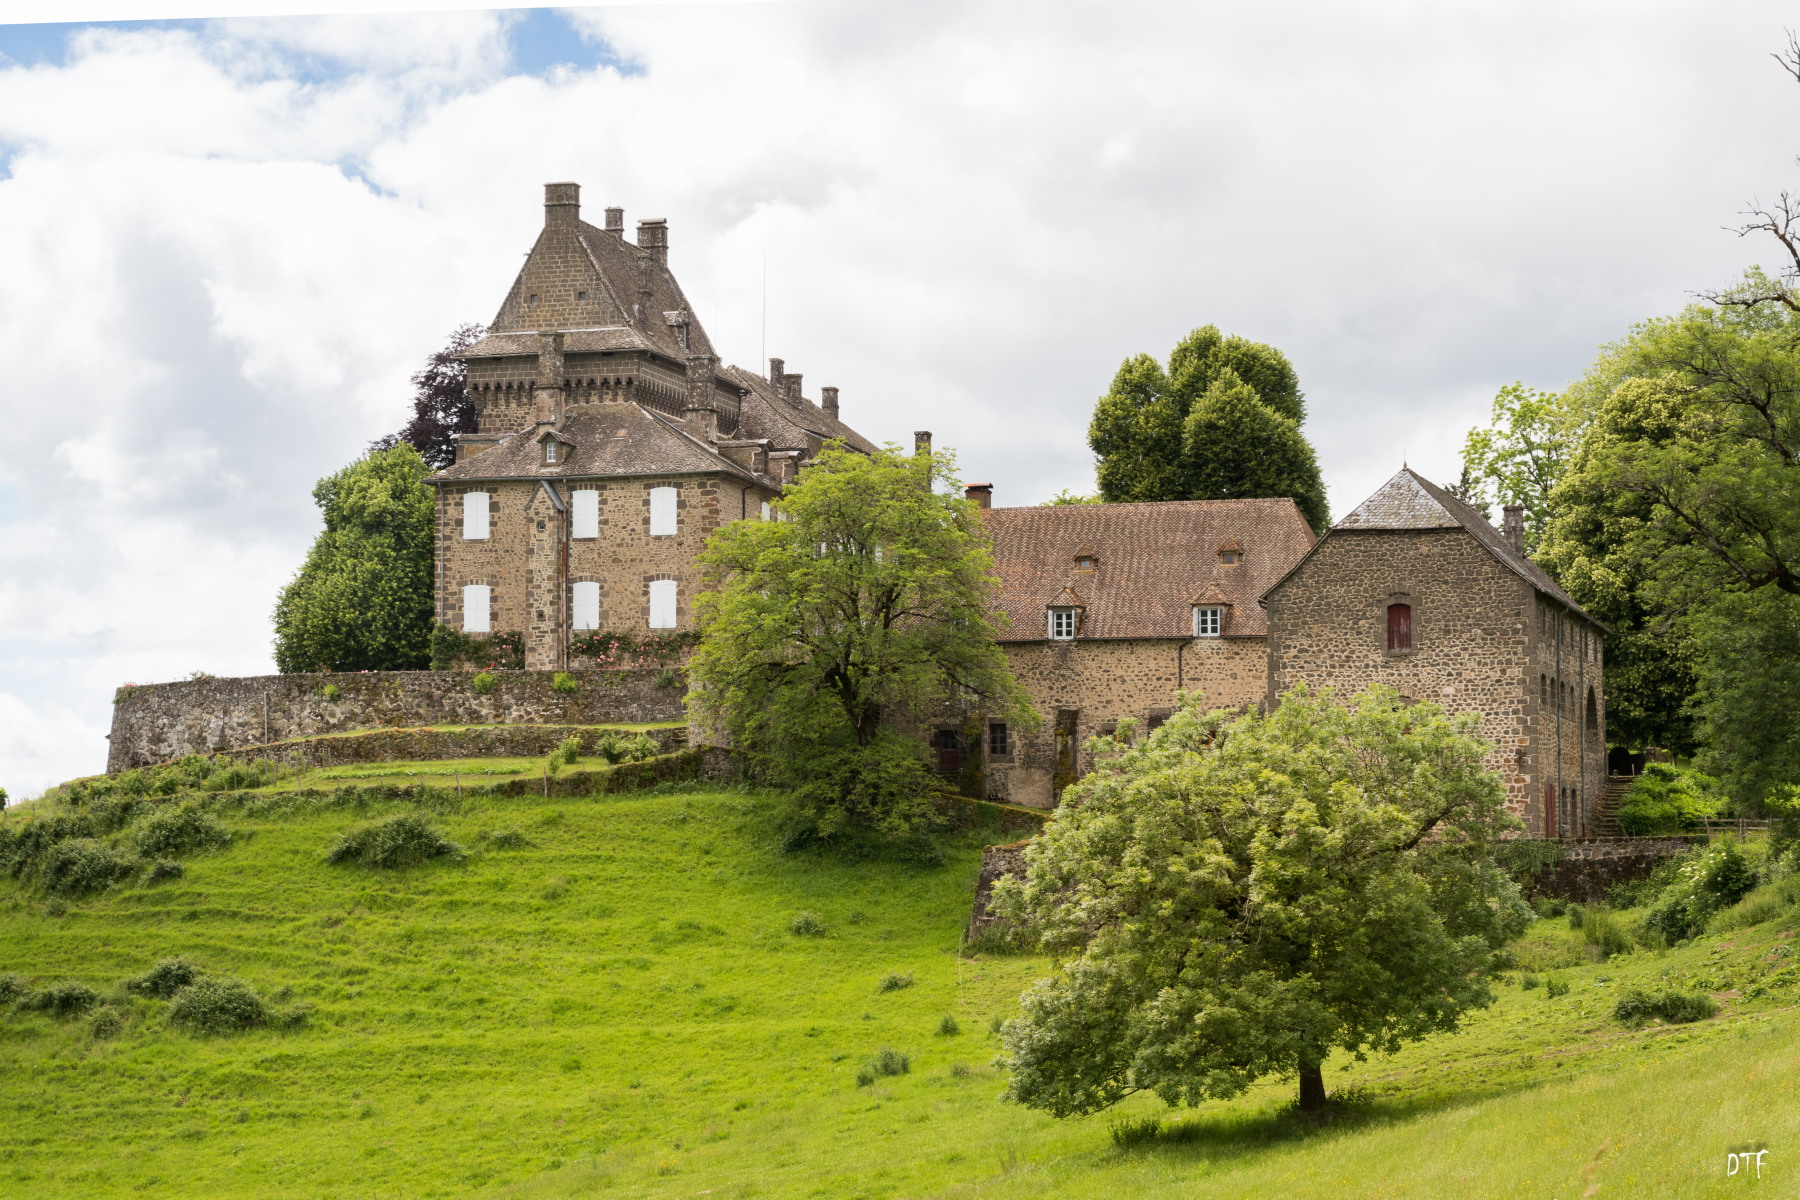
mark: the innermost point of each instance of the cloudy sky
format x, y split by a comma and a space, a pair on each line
226, 243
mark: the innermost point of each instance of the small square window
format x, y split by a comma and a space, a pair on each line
1228, 558
1206, 620
999, 739
1062, 624
1084, 562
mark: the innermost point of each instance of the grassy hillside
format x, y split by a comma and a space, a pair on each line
620, 1008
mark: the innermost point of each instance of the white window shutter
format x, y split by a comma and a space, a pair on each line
475, 515
662, 511
662, 604
586, 513
475, 606
765, 510
587, 602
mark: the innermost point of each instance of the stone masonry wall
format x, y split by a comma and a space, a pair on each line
1589, 866
1566, 668
1472, 624
1103, 682
157, 722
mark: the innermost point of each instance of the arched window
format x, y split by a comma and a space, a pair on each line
662, 604
1399, 628
586, 604
662, 511
1593, 717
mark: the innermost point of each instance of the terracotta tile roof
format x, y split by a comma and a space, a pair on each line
785, 420
604, 440
1410, 501
1153, 560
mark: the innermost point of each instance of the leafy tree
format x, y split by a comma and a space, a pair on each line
861, 609
441, 404
362, 601
1749, 687
1068, 497
1520, 456
1140, 427
1236, 895
1239, 448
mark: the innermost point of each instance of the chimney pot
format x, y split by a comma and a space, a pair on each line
981, 493
615, 221
828, 400
562, 203
1512, 525
653, 235
922, 441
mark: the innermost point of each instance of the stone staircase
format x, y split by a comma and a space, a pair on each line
1612, 796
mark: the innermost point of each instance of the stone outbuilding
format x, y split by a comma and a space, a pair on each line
1415, 589
611, 444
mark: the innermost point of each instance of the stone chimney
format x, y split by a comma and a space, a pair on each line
562, 205
790, 386
615, 222
776, 366
981, 493
700, 409
829, 402
922, 441
547, 395
653, 235
1512, 525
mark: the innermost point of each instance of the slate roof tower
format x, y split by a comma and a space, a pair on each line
611, 443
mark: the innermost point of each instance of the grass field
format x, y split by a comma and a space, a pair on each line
619, 1008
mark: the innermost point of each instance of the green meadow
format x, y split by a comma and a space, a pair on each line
617, 1003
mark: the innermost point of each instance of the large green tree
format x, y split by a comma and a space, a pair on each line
1520, 455
362, 600
829, 632
1184, 433
1237, 895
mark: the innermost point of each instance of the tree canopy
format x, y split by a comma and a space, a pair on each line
1236, 895
862, 608
441, 404
1222, 422
362, 601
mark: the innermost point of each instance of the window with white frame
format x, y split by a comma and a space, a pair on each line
584, 506
662, 604
662, 511
1207, 620
549, 450
475, 515
1062, 624
765, 510
586, 603
476, 618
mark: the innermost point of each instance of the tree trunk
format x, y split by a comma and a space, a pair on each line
1312, 1087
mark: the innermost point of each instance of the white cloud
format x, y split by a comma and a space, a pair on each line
225, 248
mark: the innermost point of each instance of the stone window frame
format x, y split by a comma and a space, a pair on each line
457, 603
599, 602
489, 497
599, 505
650, 490
1406, 597
999, 740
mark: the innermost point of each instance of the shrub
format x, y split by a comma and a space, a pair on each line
1549, 906
165, 868
1669, 799
164, 979
865, 1076
483, 683
12, 986
961, 1070
77, 866
1706, 883
62, 999
1528, 981
217, 1005
948, 1026
108, 1022
179, 831
1001, 937
565, 683
1604, 931
1555, 987
331, 691
807, 925
570, 749
666, 678
401, 841
506, 839
1577, 915
894, 981
1135, 1131
1764, 904
889, 1061
1677, 1008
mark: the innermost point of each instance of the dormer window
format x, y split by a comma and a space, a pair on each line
1084, 562
1208, 619
550, 452
1062, 624
1230, 554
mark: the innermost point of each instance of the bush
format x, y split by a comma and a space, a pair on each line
1555, 987
331, 691
889, 1061
1706, 883
77, 866
807, 925
865, 1076
483, 683
948, 1026
1603, 930
1549, 906
1528, 981
894, 982
1677, 1008
164, 868
1764, 904
1135, 1131
1001, 937
618, 748
401, 841
217, 1005
62, 1000
565, 683
108, 1022
569, 749
12, 987
506, 839
164, 979
1669, 799
179, 831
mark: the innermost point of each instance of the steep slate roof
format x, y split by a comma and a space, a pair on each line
768, 413
607, 440
1153, 559
1410, 501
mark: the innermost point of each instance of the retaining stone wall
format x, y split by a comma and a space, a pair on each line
996, 863
419, 745
1589, 866
157, 722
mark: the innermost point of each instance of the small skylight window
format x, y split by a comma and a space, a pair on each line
1228, 558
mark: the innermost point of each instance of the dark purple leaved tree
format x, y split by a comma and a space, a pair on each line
441, 407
